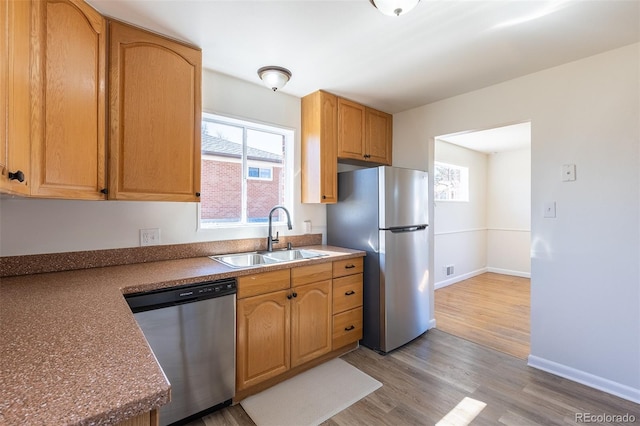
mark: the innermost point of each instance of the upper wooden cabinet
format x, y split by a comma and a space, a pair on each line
364, 134
54, 87
378, 135
15, 28
351, 130
155, 113
68, 100
319, 148
336, 129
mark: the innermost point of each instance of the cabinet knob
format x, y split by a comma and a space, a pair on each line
104, 191
324, 197
349, 293
367, 156
351, 327
295, 294
19, 176
197, 194
289, 296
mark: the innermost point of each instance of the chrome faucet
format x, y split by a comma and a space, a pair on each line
270, 239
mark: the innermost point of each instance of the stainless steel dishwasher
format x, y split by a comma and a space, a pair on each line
191, 330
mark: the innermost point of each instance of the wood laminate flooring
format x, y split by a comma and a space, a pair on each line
489, 309
425, 379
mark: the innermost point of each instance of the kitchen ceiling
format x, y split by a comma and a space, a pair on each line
440, 49
491, 141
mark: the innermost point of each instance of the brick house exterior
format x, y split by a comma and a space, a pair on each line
221, 181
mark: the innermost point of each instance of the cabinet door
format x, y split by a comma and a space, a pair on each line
263, 339
311, 332
15, 140
378, 136
4, 91
68, 146
351, 130
319, 165
155, 115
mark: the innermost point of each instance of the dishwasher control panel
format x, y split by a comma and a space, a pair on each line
214, 288
139, 302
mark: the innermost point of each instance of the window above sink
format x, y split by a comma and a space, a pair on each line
246, 169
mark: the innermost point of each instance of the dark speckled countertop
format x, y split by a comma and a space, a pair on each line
71, 351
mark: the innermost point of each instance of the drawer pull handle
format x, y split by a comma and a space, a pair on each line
350, 266
351, 327
349, 293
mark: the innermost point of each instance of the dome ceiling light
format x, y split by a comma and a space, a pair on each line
394, 7
274, 77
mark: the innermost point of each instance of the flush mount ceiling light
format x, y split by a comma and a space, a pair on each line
394, 7
274, 77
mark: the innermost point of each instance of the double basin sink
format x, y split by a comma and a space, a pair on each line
248, 260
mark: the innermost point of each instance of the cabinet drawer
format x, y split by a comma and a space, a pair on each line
347, 267
347, 327
311, 273
347, 293
251, 285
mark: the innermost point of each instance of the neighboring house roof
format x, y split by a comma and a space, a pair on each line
215, 145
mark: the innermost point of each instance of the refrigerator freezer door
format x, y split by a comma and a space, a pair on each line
403, 195
404, 287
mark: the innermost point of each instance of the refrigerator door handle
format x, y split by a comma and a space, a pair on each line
408, 229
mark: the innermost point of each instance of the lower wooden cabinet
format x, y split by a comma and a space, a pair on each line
347, 302
263, 339
146, 419
287, 318
310, 322
347, 327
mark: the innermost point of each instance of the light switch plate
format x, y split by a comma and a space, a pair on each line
550, 209
568, 172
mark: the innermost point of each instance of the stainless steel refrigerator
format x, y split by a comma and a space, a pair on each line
384, 211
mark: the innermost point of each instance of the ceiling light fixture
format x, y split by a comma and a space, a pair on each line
394, 7
274, 77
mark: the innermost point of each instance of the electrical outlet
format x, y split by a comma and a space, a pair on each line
150, 237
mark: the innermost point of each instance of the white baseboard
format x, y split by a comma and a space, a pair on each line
459, 278
509, 272
588, 379
432, 324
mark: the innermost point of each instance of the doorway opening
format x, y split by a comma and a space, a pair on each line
482, 264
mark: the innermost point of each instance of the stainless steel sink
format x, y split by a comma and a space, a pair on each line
250, 260
288, 255
244, 260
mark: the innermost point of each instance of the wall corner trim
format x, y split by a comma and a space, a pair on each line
459, 278
521, 274
618, 389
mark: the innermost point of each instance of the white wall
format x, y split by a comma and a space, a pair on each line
509, 212
491, 232
31, 226
459, 227
585, 269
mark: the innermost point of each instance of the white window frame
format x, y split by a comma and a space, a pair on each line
464, 179
289, 138
260, 169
